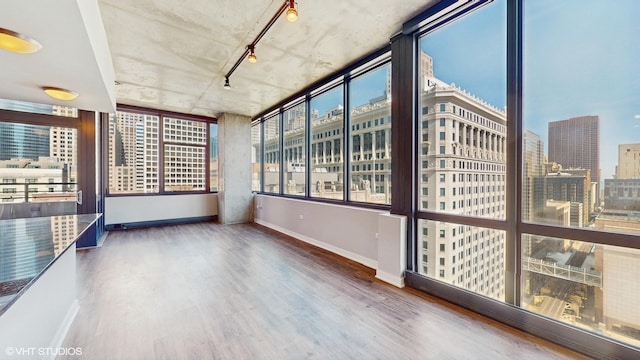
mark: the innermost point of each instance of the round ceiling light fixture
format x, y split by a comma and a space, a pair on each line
18, 43
59, 93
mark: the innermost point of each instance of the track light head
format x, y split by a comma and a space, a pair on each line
292, 13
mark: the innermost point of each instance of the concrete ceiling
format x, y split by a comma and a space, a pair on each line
173, 55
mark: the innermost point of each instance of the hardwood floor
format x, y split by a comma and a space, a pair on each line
209, 291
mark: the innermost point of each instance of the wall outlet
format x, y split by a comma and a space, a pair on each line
377, 235
301, 217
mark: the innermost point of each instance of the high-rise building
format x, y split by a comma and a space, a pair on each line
23, 141
133, 161
533, 159
463, 167
628, 161
575, 143
562, 186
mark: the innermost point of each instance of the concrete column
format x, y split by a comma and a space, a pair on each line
234, 169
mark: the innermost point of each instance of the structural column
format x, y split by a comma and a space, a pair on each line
234, 169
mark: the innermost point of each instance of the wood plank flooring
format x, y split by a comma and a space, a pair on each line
210, 291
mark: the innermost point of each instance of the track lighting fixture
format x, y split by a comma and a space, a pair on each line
288, 7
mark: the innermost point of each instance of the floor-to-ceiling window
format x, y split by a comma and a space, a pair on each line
461, 152
581, 165
526, 170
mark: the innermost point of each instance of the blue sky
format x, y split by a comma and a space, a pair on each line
580, 58
363, 88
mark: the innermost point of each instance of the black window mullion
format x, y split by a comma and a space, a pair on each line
281, 150
514, 186
307, 145
346, 133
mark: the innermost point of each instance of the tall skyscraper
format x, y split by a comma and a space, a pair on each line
575, 143
532, 167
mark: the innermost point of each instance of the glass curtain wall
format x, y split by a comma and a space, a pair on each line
462, 150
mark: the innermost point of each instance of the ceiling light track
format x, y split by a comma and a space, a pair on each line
249, 53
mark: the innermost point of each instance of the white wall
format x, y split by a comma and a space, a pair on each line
35, 325
132, 209
370, 237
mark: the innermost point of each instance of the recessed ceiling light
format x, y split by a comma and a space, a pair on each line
18, 43
60, 94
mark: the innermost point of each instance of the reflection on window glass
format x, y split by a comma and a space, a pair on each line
294, 150
370, 111
462, 126
272, 154
588, 285
23, 106
213, 157
256, 154
327, 134
37, 164
465, 256
133, 153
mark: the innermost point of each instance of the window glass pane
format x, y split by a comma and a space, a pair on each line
213, 157
591, 286
37, 164
294, 149
370, 111
184, 168
327, 134
469, 257
462, 128
272, 154
582, 153
133, 153
184, 131
256, 153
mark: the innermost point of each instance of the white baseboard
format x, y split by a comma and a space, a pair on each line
63, 329
394, 280
334, 249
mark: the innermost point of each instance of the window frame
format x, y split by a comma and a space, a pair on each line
161, 114
375, 61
